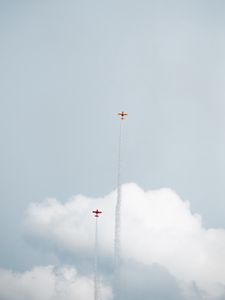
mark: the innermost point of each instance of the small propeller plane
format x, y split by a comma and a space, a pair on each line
122, 115
97, 212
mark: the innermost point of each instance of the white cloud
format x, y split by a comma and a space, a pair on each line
157, 227
47, 283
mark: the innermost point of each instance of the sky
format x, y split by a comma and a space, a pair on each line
66, 69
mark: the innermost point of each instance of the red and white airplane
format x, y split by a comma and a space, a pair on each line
97, 212
122, 115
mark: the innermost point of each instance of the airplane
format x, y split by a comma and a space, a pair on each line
122, 114
96, 212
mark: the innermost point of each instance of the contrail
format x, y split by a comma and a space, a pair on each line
96, 281
117, 238
117, 243
96, 284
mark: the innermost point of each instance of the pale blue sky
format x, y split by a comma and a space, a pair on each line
68, 66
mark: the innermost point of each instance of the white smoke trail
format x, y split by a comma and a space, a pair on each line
96, 282
117, 238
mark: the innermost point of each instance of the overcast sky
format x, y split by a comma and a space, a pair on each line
66, 68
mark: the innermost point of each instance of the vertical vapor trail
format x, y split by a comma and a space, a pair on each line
96, 283
117, 238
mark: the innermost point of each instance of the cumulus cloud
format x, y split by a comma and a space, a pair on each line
140, 281
47, 283
158, 227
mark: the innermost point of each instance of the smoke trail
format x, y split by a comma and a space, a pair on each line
117, 238
96, 283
